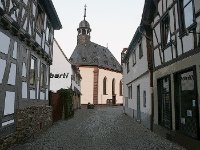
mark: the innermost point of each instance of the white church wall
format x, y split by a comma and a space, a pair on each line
60, 66
110, 75
87, 74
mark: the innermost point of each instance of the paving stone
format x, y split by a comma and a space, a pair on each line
102, 128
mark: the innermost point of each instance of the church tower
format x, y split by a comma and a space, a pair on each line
83, 31
99, 69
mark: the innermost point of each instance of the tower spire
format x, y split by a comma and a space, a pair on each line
85, 12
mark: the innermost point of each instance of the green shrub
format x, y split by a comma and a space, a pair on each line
66, 96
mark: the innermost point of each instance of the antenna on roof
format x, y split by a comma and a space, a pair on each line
107, 45
85, 12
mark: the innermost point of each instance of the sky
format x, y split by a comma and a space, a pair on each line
113, 22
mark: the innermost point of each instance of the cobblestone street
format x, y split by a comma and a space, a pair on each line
98, 129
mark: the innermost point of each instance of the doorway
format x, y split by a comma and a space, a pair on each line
186, 99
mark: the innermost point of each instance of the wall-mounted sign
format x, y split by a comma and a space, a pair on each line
187, 81
58, 76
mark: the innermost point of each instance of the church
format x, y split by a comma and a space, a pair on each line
101, 72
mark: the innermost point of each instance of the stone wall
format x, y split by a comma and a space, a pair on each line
29, 121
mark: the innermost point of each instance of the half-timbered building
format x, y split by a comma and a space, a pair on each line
176, 77
26, 38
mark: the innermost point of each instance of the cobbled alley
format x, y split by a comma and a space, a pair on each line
102, 128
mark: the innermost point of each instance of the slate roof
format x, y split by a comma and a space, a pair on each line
84, 24
92, 54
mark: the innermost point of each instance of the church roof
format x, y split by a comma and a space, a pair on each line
84, 24
92, 54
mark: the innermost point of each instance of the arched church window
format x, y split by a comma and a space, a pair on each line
104, 85
113, 87
120, 88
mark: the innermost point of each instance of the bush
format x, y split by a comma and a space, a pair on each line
66, 96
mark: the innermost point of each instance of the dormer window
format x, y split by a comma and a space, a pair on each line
40, 19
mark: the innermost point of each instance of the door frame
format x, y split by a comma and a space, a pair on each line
176, 99
138, 104
159, 96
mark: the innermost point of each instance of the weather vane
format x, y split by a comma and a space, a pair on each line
85, 11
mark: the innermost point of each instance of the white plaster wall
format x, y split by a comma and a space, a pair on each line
197, 5
198, 27
169, 2
176, 16
5, 42
171, 15
1, 5
9, 103
24, 90
87, 82
12, 74
140, 67
32, 94
125, 89
136, 71
15, 51
2, 66
110, 75
60, 66
7, 123
24, 70
42, 95
160, 8
187, 42
144, 83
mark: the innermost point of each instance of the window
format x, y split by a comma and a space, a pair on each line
104, 85
32, 70
40, 19
43, 76
120, 88
186, 13
140, 50
144, 99
134, 58
127, 65
164, 103
165, 31
130, 92
113, 87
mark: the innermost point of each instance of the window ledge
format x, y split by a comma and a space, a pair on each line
186, 31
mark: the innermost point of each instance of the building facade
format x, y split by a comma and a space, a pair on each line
76, 86
61, 69
64, 75
26, 41
99, 69
137, 79
176, 76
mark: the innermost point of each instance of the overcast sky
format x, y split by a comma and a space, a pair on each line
112, 21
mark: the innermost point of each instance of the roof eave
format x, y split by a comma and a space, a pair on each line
52, 14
